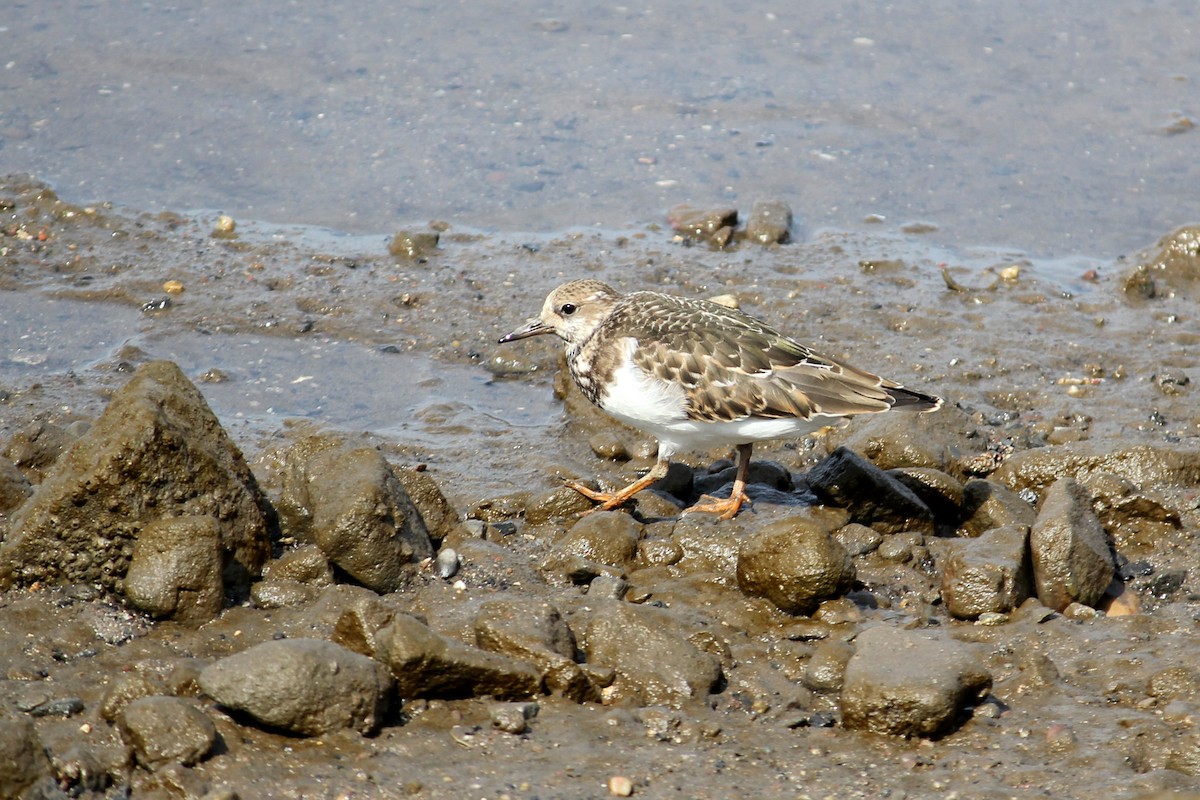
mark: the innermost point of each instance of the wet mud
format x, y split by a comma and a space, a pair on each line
386, 485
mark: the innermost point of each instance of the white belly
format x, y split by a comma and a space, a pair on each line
660, 409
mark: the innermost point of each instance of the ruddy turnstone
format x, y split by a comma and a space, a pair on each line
696, 375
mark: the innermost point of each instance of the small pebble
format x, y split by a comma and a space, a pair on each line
620, 786
447, 563
172, 287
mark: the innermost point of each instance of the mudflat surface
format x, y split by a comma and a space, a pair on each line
972, 187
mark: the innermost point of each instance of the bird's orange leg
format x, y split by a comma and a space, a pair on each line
728, 509
611, 500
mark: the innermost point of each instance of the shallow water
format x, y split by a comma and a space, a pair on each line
1057, 131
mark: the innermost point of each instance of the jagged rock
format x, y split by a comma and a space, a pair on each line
1071, 559
533, 630
439, 516
909, 683
770, 222
167, 730
303, 686
156, 452
988, 505
426, 664
175, 570
989, 574
873, 497
653, 661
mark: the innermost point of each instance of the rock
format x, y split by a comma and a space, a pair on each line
15, 488
1171, 268
562, 503
123, 690
607, 445
175, 570
533, 630
988, 505
362, 617
990, 574
770, 222
654, 662
426, 664
362, 518
22, 759
761, 473
282, 593
414, 245
873, 497
1071, 558
795, 563
167, 730
826, 669
662, 552
35, 448
156, 452
894, 441
608, 538
512, 717
908, 683
303, 686
943, 493
858, 539
709, 544
439, 516
305, 564
701, 223
1142, 465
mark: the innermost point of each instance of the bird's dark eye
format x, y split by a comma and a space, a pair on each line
567, 309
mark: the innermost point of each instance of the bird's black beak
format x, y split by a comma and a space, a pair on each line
533, 327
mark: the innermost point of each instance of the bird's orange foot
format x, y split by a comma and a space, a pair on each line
607, 500
725, 509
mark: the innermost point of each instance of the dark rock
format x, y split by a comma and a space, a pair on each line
988, 505
909, 683
362, 518
654, 661
156, 452
533, 630
873, 497
426, 664
303, 686
22, 760
708, 544
761, 473
795, 563
989, 574
943, 493
770, 222
1071, 559
439, 516
167, 730
15, 488
175, 570
1142, 465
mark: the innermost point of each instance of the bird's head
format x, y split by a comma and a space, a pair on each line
572, 312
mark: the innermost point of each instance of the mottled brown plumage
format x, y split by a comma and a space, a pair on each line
698, 374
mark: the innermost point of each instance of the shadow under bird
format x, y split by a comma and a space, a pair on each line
696, 375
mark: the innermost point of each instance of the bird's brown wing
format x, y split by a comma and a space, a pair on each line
732, 366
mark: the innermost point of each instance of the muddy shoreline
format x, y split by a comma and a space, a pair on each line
316, 351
